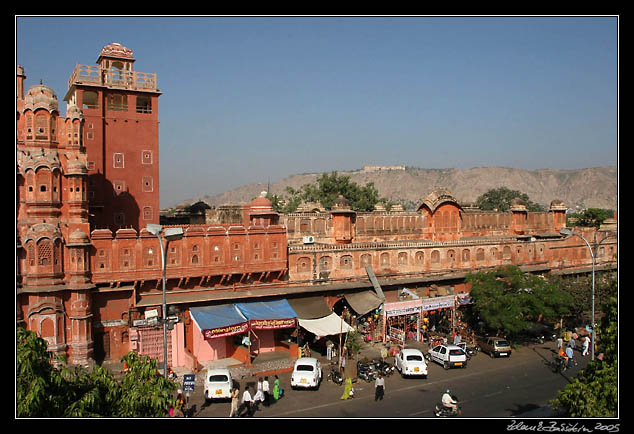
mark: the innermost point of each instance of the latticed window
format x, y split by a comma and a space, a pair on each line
45, 253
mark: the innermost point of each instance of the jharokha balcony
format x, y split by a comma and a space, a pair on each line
113, 78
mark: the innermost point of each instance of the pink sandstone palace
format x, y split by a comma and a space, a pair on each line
89, 274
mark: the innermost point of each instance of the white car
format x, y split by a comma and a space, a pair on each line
448, 356
306, 373
410, 361
218, 384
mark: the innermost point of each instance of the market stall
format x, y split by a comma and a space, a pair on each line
402, 321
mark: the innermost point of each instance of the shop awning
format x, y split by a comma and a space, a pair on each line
363, 302
268, 314
219, 321
328, 325
310, 307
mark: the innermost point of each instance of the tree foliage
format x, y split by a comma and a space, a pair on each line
591, 217
325, 191
509, 300
594, 392
45, 390
500, 199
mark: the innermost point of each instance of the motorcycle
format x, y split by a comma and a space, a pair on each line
336, 377
386, 369
442, 411
558, 365
366, 372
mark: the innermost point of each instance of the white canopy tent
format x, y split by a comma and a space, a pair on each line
326, 326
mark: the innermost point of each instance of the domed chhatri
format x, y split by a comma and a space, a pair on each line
116, 50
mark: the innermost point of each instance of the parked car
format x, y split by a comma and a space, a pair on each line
448, 356
494, 346
306, 373
218, 384
410, 361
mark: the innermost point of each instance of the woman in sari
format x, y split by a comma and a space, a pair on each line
347, 391
277, 390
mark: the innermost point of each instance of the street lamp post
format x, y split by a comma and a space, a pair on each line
169, 234
567, 232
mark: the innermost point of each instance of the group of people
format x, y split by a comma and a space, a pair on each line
250, 404
567, 353
379, 388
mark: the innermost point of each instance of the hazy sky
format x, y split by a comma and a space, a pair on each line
248, 99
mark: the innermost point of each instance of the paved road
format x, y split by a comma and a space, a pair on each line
503, 387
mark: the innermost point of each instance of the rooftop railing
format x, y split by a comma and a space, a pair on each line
113, 78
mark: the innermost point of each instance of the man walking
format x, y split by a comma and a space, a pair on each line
379, 388
247, 402
569, 354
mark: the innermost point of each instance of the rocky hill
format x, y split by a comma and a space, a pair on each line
585, 188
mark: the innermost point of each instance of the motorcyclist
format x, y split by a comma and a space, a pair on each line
448, 401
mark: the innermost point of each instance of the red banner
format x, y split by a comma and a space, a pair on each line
221, 332
270, 324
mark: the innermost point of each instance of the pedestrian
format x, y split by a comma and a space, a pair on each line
257, 399
343, 364
277, 389
379, 388
572, 343
569, 354
247, 402
267, 392
235, 402
348, 391
383, 353
586, 346
560, 342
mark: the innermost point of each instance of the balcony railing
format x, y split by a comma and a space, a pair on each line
113, 78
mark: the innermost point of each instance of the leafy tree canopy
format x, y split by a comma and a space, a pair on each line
591, 217
500, 199
327, 189
509, 300
45, 390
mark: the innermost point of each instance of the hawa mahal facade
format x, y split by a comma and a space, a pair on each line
89, 276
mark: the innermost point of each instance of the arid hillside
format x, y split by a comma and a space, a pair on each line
594, 187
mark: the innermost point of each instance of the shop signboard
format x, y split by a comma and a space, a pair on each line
222, 332
410, 307
272, 324
438, 302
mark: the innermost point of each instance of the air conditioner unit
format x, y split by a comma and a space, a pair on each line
309, 240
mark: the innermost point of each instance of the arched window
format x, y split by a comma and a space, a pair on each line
384, 260
345, 262
325, 263
303, 265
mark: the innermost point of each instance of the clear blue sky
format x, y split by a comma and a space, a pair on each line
248, 99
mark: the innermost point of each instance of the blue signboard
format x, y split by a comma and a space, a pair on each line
189, 381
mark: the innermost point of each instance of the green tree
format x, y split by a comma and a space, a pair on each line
594, 392
500, 199
326, 190
509, 300
45, 390
591, 217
